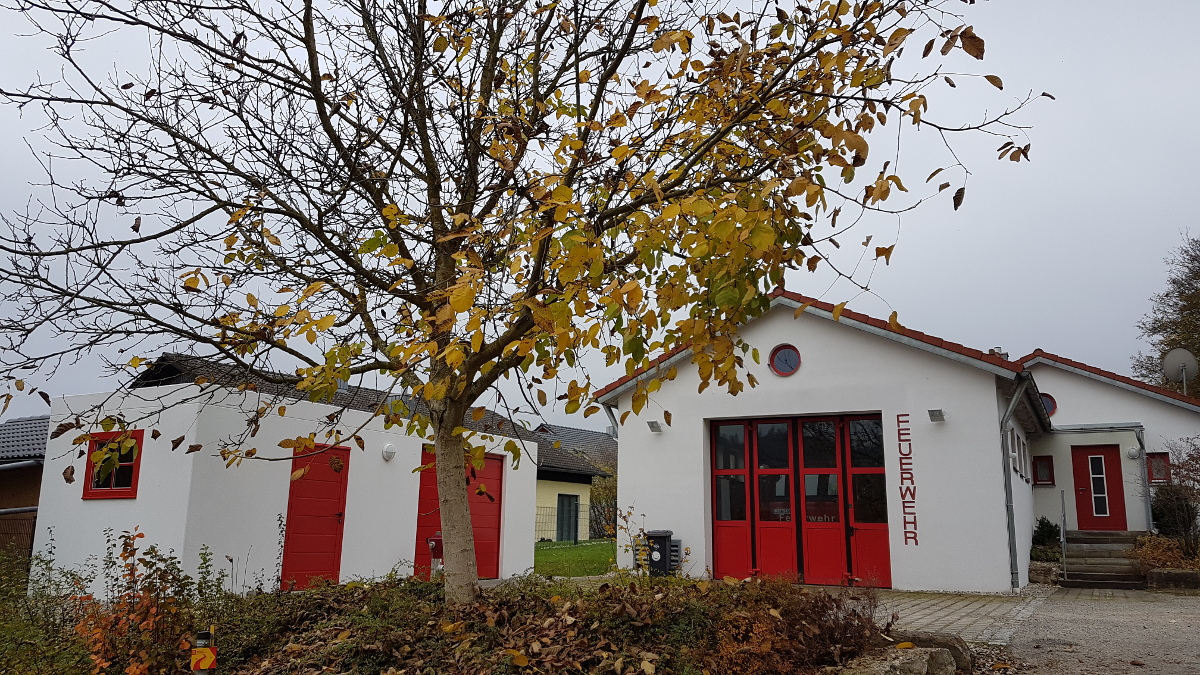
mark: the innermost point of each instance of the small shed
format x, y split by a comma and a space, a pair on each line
22, 449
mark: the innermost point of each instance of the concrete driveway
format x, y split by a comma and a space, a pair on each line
1066, 631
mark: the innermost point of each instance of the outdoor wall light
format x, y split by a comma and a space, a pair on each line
654, 426
1134, 453
389, 451
937, 415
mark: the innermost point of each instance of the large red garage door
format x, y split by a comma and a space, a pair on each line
485, 514
801, 497
312, 538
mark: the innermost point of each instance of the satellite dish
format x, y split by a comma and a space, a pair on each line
1179, 365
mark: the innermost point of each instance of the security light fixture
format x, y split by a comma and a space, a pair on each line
937, 415
654, 426
389, 452
1134, 452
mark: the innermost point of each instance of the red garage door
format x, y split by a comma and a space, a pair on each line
485, 514
828, 473
312, 539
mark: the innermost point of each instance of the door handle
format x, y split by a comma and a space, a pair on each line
339, 515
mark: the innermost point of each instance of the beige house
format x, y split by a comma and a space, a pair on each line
568, 460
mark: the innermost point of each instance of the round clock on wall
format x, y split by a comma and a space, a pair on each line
785, 360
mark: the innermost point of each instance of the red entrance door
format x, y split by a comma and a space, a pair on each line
485, 514
312, 538
1099, 487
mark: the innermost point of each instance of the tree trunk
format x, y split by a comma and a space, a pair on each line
458, 538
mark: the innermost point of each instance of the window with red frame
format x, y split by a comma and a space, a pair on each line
1043, 470
1158, 466
114, 460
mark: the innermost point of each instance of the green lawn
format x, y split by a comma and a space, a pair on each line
563, 559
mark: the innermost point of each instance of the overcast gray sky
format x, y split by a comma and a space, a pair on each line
1062, 253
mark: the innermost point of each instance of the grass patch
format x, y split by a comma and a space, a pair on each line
564, 559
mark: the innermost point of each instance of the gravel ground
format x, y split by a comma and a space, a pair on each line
1085, 632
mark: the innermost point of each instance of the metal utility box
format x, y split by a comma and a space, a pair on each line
658, 554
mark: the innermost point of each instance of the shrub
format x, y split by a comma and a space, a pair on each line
1158, 552
1046, 533
1175, 511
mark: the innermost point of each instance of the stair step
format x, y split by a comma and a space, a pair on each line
1138, 585
1131, 568
1100, 537
1098, 550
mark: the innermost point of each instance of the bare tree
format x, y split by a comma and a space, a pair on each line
452, 192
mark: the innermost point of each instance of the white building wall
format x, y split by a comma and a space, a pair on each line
962, 532
186, 501
1082, 400
76, 525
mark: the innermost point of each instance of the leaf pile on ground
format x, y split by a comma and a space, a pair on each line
1158, 552
402, 627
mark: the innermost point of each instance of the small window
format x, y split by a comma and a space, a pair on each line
1050, 404
1158, 466
785, 360
1043, 470
120, 456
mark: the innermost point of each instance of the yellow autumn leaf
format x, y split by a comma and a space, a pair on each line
135, 361
299, 473
905, 645
837, 311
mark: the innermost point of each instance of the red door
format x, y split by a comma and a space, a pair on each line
1099, 487
774, 527
312, 539
485, 514
823, 527
870, 552
732, 543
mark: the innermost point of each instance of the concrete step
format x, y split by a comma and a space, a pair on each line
1098, 550
1103, 580
1127, 568
1101, 537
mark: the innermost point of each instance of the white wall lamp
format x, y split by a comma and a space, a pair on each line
655, 426
1134, 453
937, 415
389, 452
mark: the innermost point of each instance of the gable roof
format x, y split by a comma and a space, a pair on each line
579, 450
24, 438
988, 361
1038, 357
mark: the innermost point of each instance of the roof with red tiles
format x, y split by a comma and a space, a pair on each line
849, 317
1041, 356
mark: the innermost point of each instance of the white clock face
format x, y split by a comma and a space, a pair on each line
785, 360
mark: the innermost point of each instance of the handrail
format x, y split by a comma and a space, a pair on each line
1062, 535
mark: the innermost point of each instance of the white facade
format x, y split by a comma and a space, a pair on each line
958, 466
961, 541
186, 501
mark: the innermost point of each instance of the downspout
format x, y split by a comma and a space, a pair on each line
612, 418
1013, 567
1141, 439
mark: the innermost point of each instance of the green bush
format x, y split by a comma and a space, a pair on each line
1046, 533
1175, 510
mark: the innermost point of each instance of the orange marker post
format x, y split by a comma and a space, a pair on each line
204, 653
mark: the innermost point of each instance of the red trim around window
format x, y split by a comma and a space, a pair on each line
92, 492
1043, 462
1158, 467
1050, 404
